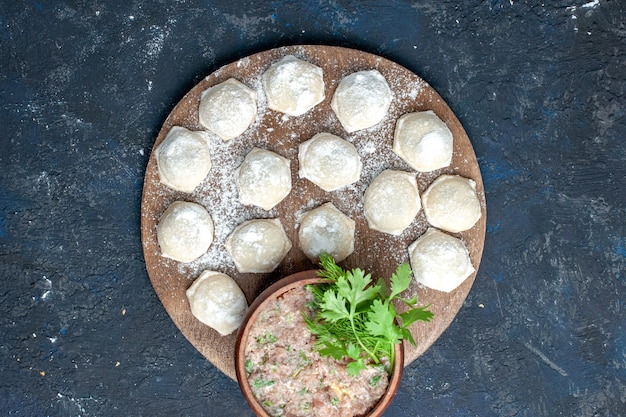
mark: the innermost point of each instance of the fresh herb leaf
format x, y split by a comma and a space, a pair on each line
355, 368
330, 270
333, 307
353, 351
416, 314
381, 322
400, 280
334, 351
410, 302
356, 318
354, 287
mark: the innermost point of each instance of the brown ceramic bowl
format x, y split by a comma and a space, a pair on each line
269, 295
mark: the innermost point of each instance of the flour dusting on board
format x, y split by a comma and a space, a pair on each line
219, 194
280, 133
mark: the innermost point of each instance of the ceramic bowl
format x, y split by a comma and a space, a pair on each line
268, 296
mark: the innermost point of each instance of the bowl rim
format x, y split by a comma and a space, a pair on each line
272, 292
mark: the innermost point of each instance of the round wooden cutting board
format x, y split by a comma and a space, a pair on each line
375, 252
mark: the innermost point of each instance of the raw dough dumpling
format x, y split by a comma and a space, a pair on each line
391, 201
361, 100
326, 229
228, 109
423, 140
183, 159
217, 301
450, 203
329, 161
185, 231
263, 179
293, 86
258, 245
440, 261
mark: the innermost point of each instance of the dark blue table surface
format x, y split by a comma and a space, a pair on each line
540, 89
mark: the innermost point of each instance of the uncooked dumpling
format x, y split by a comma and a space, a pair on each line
326, 229
185, 231
258, 245
263, 179
361, 100
217, 301
391, 201
183, 159
451, 204
440, 261
329, 161
228, 109
423, 140
293, 86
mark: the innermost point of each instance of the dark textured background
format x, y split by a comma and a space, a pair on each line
86, 85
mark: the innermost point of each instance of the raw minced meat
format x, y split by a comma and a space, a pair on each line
290, 378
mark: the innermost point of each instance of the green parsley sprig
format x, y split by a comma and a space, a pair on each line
356, 318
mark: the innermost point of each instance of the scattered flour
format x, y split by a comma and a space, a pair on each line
282, 133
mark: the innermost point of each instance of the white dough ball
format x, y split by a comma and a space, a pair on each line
326, 229
258, 245
440, 261
183, 159
423, 140
391, 201
217, 301
228, 109
361, 100
329, 161
451, 203
263, 179
185, 231
293, 86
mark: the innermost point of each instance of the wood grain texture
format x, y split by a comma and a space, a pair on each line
375, 252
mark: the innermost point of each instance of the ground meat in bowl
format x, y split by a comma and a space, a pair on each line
290, 378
